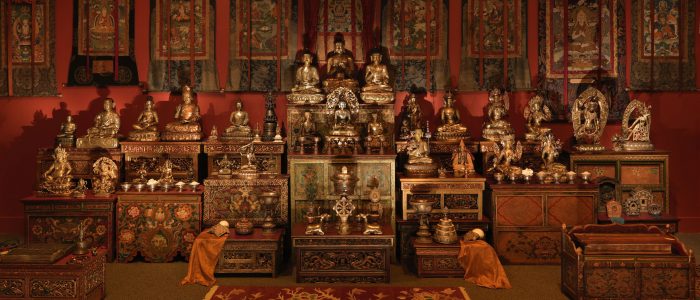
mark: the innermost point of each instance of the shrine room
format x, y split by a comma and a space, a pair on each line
349, 149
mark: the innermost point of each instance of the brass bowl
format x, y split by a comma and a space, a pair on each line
423, 206
269, 198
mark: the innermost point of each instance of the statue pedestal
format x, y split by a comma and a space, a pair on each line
305, 98
421, 170
377, 97
637, 146
452, 136
87, 142
236, 136
590, 148
144, 136
65, 142
181, 136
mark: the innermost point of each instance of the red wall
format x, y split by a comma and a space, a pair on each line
29, 123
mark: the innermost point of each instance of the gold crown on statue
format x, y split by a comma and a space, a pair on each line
508, 137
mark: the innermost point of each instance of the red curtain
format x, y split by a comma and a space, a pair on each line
369, 34
311, 19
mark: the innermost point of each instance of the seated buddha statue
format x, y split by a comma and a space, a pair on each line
146, 127
308, 135
103, 134
377, 89
240, 129
306, 81
375, 134
342, 121
340, 67
420, 164
186, 126
451, 129
496, 127
66, 136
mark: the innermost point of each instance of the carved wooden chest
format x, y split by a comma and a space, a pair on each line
268, 155
648, 170
80, 160
461, 197
71, 277
256, 253
625, 276
222, 196
527, 218
342, 258
437, 260
58, 220
150, 156
159, 225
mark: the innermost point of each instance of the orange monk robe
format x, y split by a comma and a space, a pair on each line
481, 265
205, 254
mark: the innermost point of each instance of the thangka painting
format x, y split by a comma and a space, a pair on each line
260, 55
183, 45
27, 50
103, 43
580, 47
415, 33
344, 17
494, 31
662, 39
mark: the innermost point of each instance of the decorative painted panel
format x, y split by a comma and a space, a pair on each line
560, 208
486, 24
519, 211
538, 247
223, 196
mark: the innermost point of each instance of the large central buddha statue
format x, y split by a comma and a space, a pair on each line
340, 67
104, 132
240, 128
186, 126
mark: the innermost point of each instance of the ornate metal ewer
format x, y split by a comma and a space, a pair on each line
423, 208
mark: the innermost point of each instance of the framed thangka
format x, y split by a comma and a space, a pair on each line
415, 33
183, 45
261, 45
494, 45
344, 17
580, 46
103, 43
27, 50
666, 26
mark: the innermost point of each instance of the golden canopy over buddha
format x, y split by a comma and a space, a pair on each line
146, 127
451, 129
103, 134
240, 128
186, 126
377, 89
340, 67
306, 82
496, 126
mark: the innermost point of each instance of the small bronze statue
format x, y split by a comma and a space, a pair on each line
535, 113
249, 170
589, 115
308, 135
306, 90
451, 129
462, 161
166, 173
375, 135
66, 136
377, 89
635, 136
420, 164
240, 128
496, 127
411, 118
104, 132
342, 108
146, 127
186, 126
506, 155
550, 151
105, 173
56, 180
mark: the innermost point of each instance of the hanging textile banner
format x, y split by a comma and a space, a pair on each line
344, 17
103, 43
666, 26
261, 44
415, 33
580, 47
27, 48
183, 45
486, 59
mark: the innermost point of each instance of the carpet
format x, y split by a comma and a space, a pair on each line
336, 293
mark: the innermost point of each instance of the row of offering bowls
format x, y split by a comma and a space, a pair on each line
165, 186
544, 177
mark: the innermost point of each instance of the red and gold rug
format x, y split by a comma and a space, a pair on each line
336, 293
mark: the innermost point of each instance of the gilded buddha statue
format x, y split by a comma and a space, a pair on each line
377, 89
306, 82
308, 135
56, 180
451, 129
186, 126
66, 136
340, 67
146, 127
496, 127
411, 117
240, 128
535, 113
375, 134
103, 134
420, 164
342, 108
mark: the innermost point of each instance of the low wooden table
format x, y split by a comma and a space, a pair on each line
65, 279
437, 260
342, 258
58, 220
408, 228
258, 253
646, 219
